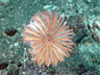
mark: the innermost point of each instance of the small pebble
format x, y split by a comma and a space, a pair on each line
16, 44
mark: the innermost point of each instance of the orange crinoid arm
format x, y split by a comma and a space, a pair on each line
49, 37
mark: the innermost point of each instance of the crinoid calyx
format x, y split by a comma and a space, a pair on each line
50, 38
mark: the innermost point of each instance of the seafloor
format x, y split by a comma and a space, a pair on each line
82, 15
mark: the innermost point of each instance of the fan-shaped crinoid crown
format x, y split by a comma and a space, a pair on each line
49, 37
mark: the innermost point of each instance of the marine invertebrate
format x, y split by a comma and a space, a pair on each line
49, 37
95, 29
